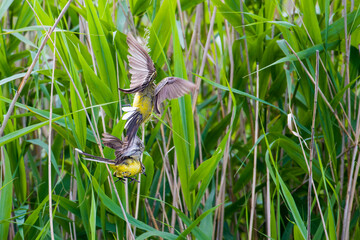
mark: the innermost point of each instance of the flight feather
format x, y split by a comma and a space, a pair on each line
171, 87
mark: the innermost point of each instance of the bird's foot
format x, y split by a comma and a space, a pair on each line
120, 179
133, 179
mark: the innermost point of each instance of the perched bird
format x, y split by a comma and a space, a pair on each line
127, 161
147, 94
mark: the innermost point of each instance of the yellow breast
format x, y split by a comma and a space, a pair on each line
144, 102
127, 168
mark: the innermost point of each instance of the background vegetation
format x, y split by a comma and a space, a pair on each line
266, 147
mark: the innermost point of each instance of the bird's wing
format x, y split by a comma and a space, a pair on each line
123, 149
112, 141
133, 150
115, 143
142, 68
171, 87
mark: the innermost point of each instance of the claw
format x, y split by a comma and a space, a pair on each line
120, 179
133, 179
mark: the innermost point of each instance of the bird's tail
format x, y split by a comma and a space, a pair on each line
130, 90
134, 119
94, 158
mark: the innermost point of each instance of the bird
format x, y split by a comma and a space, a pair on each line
127, 162
148, 95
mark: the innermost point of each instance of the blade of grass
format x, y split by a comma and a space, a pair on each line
6, 189
253, 195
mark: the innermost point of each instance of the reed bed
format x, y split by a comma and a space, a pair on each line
265, 148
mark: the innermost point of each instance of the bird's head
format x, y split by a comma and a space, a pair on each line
139, 144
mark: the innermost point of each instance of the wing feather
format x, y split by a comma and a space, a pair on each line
123, 149
115, 143
112, 141
142, 68
171, 87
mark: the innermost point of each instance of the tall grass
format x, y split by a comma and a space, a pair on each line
267, 147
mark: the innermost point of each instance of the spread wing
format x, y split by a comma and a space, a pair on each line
112, 141
142, 68
115, 143
123, 149
171, 87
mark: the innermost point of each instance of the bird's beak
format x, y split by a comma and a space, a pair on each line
144, 174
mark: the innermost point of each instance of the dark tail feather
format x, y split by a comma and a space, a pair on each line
134, 90
94, 158
133, 125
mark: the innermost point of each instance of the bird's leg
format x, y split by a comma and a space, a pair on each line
120, 179
133, 179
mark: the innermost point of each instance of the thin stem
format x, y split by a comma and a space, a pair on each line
139, 179
49, 143
253, 195
247, 67
351, 183
312, 145
321, 94
308, 167
268, 209
202, 66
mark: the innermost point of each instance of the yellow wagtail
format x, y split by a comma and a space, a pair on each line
147, 94
127, 161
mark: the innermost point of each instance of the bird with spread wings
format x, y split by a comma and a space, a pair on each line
127, 162
148, 95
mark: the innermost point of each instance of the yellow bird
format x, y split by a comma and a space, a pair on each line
147, 94
127, 161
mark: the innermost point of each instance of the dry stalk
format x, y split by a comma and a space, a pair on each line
202, 67
248, 68
351, 183
149, 211
312, 145
268, 209
253, 195
308, 167
139, 179
49, 144
321, 93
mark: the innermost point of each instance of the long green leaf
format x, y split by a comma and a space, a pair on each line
6, 188
115, 209
101, 48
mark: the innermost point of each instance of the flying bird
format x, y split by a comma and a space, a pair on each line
148, 95
127, 161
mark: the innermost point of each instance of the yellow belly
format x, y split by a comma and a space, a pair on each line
127, 168
145, 104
